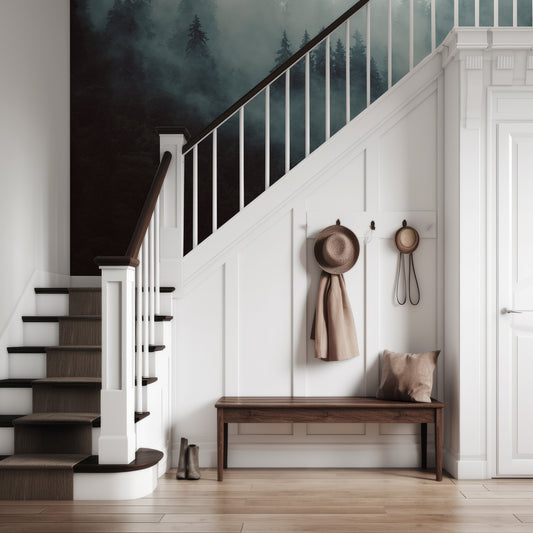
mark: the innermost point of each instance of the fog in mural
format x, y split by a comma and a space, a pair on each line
138, 64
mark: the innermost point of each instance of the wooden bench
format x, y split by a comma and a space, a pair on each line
240, 410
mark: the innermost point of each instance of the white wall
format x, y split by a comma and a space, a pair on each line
246, 301
34, 148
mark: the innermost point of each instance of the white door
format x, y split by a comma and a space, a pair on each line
515, 299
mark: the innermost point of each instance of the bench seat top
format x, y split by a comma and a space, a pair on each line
318, 402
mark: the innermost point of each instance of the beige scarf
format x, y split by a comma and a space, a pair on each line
333, 326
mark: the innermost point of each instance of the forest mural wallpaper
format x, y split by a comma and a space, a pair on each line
139, 64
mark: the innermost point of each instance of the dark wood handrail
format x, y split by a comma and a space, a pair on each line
274, 75
130, 258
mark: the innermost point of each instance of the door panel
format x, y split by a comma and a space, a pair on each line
515, 299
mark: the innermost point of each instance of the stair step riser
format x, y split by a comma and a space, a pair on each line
40, 333
86, 332
47, 333
85, 303
17, 401
52, 304
65, 399
34, 484
7, 440
73, 364
54, 439
29, 365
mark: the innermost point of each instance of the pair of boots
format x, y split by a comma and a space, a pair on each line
188, 463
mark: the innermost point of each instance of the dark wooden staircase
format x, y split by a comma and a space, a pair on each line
56, 438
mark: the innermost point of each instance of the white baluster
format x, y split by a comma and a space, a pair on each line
411, 34
139, 334
241, 158
456, 13
195, 196
389, 43
433, 26
267, 137
347, 38
368, 52
214, 200
151, 279
287, 120
476, 13
157, 256
496, 21
145, 309
327, 75
307, 105
515, 13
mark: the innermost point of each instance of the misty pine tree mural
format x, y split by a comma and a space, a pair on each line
139, 64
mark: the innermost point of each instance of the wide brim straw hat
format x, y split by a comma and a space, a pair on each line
407, 239
336, 249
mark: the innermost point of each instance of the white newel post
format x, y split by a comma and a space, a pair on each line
171, 205
116, 444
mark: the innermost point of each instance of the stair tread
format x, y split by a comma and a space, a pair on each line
67, 290
28, 382
6, 421
70, 348
42, 461
56, 418
16, 382
68, 381
57, 318
144, 458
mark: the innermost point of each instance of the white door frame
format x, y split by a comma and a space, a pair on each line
505, 105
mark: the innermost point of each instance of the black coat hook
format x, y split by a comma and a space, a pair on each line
372, 225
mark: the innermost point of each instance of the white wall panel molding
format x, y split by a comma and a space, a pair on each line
327, 455
473, 61
231, 326
299, 295
504, 62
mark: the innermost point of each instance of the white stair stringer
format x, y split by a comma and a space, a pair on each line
307, 176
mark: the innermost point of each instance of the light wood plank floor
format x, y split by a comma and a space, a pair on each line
289, 501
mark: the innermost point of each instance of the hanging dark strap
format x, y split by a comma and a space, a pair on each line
413, 275
401, 266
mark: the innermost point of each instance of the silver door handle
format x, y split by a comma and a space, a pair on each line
516, 311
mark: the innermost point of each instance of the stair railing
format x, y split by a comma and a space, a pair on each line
130, 302
461, 17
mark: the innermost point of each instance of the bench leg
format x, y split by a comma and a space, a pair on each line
225, 445
438, 444
424, 444
220, 444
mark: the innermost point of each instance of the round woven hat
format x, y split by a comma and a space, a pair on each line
407, 239
336, 249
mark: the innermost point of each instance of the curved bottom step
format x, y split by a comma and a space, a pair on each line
78, 477
93, 481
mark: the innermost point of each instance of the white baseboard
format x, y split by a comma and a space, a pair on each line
471, 468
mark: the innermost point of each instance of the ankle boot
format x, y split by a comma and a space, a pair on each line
182, 461
193, 462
